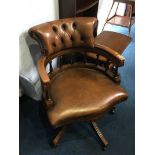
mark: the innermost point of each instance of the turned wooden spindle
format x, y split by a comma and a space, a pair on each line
99, 134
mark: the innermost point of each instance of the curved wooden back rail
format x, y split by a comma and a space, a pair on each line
107, 66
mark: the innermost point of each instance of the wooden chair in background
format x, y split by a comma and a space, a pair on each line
125, 21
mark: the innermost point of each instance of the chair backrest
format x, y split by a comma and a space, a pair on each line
64, 34
70, 41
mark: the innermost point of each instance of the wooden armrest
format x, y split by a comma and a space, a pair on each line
112, 52
42, 70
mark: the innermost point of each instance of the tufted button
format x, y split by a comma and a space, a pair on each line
53, 45
72, 39
74, 26
82, 38
62, 40
64, 26
54, 28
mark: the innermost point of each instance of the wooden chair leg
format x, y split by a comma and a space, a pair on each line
129, 31
59, 136
129, 28
99, 134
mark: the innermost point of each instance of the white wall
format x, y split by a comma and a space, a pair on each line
32, 12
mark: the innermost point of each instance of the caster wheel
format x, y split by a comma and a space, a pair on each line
105, 148
112, 111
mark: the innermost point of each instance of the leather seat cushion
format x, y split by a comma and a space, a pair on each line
80, 93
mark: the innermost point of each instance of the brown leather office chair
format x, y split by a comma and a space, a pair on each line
78, 90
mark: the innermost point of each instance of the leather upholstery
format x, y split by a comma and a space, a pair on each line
82, 93
65, 33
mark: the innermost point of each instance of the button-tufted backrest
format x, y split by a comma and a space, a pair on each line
65, 33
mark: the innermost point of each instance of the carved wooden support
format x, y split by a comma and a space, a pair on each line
59, 136
106, 65
99, 134
112, 71
115, 70
47, 96
49, 103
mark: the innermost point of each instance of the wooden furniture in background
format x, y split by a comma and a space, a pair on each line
78, 8
124, 21
112, 42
